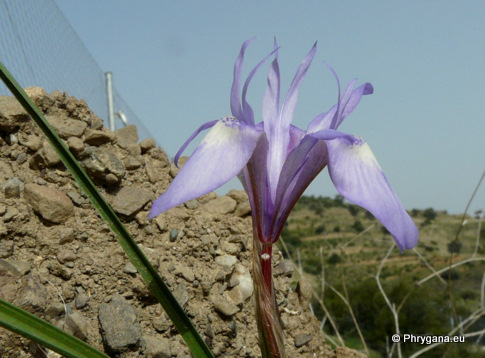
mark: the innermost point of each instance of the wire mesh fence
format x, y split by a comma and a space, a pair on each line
40, 48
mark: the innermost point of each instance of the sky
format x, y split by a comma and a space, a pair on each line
172, 61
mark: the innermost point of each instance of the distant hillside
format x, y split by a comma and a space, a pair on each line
351, 244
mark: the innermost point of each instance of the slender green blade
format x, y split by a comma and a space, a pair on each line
160, 290
28, 325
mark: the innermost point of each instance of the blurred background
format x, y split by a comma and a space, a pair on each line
172, 65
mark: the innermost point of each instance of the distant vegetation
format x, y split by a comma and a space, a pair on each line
346, 245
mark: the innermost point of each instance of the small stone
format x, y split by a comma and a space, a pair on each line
60, 271
32, 295
12, 114
157, 347
111, 179
16, 267
230, 248
180, 213
304, 290
239, 195
81, 300
243, 276
98, 137
22, 158
222, 205
147, 144
36, 94
55, 310
173, 235
32, 142
223, 306
51, 158
302, 339
226, 261
76, 198
151, 172
65, 255
77, 325
284, 268
13, 188
130, 269
181, 294
186, 273
192, 204
11, 213
161, 223
126, 136
6, 248
66, 127
50, 203
66, 235
100, 163
119, 325
243, 209
131, 163
131, 199
76, 145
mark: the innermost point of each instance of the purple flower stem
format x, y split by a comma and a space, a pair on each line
271, 338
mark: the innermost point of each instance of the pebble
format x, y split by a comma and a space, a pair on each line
131, 199
50, 203
302, 339
101, 163
222, 205
226, 261
81, 300
223, 306
76, 145
173, 235
13, 188
66, 128
284, 268
16, 267
130, 268
147, 144
119, 324
126, 136
77, 325
98, 137
6, 248
65, 255
156, 347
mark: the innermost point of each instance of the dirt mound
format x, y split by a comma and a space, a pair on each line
60, 261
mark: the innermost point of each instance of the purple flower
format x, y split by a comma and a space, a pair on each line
276, 161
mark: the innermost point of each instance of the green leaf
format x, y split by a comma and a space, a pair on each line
183, 324
47, 335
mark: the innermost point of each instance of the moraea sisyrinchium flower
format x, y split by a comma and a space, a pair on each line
276, 161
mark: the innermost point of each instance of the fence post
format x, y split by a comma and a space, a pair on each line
109, 93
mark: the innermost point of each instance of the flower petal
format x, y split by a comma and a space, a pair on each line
345, 106
191, 138
301, 167
358, 177
278, 130
254, 178
222, 154
247, 112
236, 107
292, 96
271, 99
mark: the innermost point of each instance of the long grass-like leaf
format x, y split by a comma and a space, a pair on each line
194, 341
28, 325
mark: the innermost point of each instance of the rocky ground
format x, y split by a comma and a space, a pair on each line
59, 260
